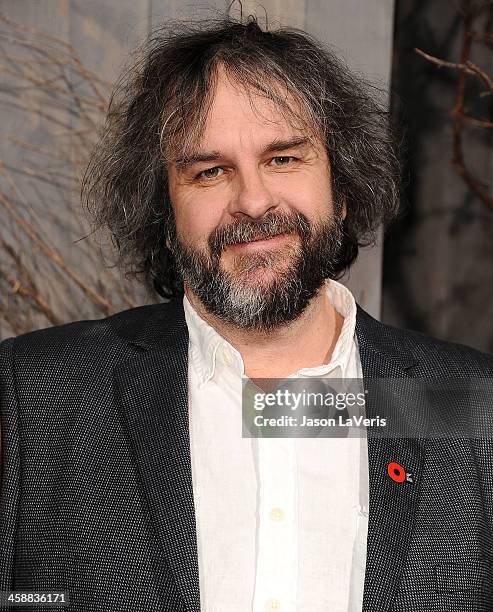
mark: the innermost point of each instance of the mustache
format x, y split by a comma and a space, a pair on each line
247, 230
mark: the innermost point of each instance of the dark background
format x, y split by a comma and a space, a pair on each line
438, 260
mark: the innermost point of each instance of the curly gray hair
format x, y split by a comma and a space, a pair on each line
159, 107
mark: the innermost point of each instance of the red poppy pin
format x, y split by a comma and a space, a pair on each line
398, 473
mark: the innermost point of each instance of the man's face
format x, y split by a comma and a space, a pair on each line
255, 232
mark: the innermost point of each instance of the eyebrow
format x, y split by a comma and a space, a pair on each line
276, 146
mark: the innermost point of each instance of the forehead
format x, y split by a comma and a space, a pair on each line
229, 114
242, 113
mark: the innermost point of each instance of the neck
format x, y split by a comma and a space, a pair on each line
279, 353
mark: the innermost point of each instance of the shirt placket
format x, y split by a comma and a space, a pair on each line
277, 546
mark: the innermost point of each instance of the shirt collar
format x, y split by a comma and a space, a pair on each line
204, 344
205, 340
343, 301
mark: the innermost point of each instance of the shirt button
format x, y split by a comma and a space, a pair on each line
276, 514
226, 357
273, 604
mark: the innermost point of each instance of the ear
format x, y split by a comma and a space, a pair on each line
344, 210
167, 230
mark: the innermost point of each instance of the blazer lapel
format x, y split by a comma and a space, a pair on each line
393, 505
152, 389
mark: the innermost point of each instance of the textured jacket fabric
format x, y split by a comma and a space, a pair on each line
97, 499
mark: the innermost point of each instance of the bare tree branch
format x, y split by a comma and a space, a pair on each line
466, 67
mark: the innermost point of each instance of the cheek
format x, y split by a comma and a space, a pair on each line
313, 198
322, 196
191, 211
195, 221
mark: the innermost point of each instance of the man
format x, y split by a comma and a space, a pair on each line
245, 167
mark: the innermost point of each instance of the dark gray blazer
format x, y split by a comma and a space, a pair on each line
97, 498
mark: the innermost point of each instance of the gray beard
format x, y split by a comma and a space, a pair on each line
292, 281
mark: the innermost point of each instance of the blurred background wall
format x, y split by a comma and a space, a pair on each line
59, 59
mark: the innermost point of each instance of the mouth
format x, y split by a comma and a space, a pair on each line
259, 244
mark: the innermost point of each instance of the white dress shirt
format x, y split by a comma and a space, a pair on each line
281, 522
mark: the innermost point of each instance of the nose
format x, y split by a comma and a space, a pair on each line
252, 197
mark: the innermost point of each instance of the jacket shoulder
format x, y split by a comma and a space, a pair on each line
93, 336
446, 358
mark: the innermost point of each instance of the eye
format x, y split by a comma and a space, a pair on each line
211, 173
282, 160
